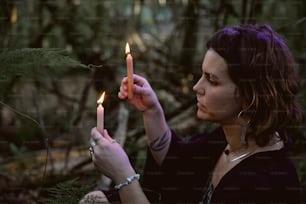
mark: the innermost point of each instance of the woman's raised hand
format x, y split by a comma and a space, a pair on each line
144, 98
155, 124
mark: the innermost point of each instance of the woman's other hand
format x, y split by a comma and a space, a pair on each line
109, 157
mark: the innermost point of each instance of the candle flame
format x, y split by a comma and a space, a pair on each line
101, 99
127, 48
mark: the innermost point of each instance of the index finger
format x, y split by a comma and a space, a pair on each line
141, 81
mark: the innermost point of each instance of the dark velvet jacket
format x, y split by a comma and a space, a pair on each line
266, 177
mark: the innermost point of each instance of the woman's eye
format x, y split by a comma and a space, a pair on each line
210, 80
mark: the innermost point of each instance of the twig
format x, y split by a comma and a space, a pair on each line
82, 105
44, 134
20, 113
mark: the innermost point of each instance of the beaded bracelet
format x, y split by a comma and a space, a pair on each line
127, 181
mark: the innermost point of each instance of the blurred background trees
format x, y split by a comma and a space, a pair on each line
58, 56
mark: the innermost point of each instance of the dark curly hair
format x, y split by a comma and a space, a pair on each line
264, 70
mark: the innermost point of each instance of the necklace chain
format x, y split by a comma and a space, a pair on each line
238, 157
278, 145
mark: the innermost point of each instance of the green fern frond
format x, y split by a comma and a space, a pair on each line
67, 192
35, 62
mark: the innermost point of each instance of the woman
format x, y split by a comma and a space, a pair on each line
248, 85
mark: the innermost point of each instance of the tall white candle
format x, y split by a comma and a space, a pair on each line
130, 70
100, 114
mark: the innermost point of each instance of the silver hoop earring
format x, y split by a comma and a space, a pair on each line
244, 126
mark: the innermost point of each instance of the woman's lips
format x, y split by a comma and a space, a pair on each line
200, 106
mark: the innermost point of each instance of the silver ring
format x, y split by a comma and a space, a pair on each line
91, 150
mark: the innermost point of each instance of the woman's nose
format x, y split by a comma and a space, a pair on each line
196, 87
199, 87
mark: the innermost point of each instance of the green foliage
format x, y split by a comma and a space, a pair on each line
16, 150
35, 63
67, 192
95, 32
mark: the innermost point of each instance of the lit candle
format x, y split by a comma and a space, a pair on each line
129, 66
100, 114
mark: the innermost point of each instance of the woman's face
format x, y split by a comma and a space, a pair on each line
217, 95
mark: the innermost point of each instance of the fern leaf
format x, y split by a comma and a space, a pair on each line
35, 62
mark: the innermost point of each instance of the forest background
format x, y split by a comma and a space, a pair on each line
58, 56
